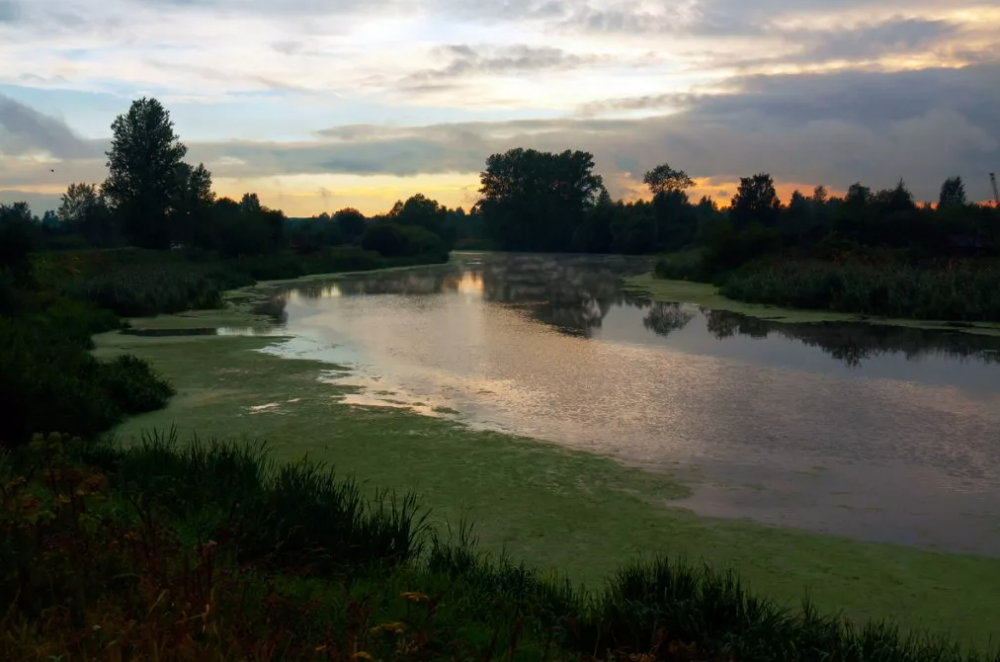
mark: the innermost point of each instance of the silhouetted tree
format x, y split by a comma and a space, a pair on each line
664, 179
143, 165
952, 193
421, 211
893, 200
535, 200
756, 201
351, 223
84, 209
192, 207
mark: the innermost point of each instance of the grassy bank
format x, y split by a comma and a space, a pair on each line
561, 511
711, 296
873, 284
215, 552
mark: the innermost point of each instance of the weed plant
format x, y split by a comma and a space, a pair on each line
210, 551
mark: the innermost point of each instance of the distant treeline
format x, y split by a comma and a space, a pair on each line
538, 201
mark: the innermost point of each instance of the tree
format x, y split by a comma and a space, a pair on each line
18, 237
83, 207
250, 203
756, 201
143, 165
858, 195
820, 195
351, 223
535, 200
593, 235
192, 208
664, 179
894, 200
952, 193
421, 211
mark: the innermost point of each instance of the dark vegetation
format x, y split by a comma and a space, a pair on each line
213, 552
209, 551
870, 252
152, 239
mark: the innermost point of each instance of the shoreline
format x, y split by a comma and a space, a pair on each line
707, 295
534, 499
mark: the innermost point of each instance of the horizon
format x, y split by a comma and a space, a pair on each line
317, 108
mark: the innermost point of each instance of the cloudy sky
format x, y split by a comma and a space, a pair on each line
321, 104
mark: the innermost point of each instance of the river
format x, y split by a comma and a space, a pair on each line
874, 432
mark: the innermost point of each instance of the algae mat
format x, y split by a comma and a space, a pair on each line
572, 512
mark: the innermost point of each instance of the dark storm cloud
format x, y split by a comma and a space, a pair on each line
897, 36
23, 129
833, 129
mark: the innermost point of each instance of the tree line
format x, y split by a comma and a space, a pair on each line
530, 201
153, 199
539, 201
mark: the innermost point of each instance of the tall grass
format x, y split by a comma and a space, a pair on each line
136, 283
213, 551
683, 265
320, 520
962, 293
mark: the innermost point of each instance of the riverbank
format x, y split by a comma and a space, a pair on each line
708, 295
540, 503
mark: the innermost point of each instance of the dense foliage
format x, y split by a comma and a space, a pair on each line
211, 551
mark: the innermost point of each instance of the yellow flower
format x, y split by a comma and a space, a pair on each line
395, 627
414, 596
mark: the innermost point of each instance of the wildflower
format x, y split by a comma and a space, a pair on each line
395, 627
415, 596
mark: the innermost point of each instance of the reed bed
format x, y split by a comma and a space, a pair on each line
962, 293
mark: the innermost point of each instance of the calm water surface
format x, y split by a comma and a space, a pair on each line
875, 432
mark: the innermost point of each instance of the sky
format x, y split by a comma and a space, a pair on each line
322, 104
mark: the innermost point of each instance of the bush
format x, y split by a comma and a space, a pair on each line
686, 265
393, 240
50, 379
132, 385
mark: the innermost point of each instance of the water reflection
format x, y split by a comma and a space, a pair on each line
905, 422
575, 294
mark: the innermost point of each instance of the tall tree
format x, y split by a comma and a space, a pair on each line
421, 211
896, 199
351, 223
820, 195
756, 201
858, 195
143, 164
952, 193
535, 200
250, 203
84, 208
664, 179
192, 207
